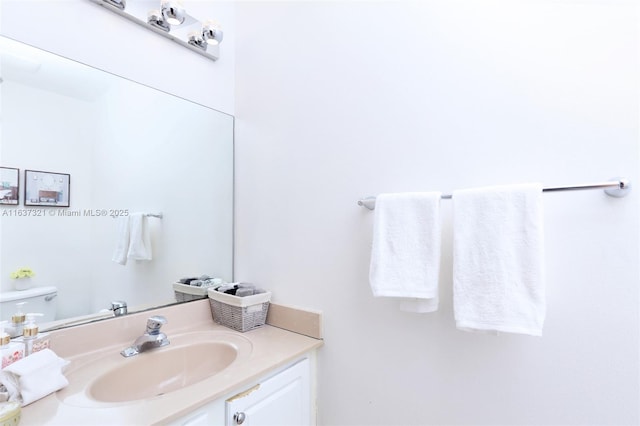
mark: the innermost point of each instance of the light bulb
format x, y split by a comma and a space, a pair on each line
173, 12
212, 33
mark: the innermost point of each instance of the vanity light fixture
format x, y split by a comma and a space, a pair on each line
195, 39
156, 19
120, 4
170, 21
173, 12
211, 33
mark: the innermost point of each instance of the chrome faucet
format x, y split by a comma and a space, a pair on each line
152, 338
119, 308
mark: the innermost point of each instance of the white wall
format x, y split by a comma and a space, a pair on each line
358, 98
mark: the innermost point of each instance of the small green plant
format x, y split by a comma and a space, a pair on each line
22, 273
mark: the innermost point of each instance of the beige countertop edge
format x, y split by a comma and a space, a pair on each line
272, 348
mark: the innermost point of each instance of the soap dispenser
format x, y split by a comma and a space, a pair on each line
10, 351
17, 321
33, 341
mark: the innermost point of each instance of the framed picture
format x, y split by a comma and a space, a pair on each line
9, 185
46, 188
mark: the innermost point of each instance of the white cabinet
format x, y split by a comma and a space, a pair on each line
210, 414
280, 399
284, 399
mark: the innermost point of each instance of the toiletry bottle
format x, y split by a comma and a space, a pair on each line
10, 351
17, 320
33, 341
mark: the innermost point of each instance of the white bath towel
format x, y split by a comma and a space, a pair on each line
140, 240
34, 377
420, 306
498, 282
405, 257
122, 243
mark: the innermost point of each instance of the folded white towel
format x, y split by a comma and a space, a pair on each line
140, 241
34, 377
498, 282
405, 256
122, 244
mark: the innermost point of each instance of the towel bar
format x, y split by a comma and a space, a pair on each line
616, 187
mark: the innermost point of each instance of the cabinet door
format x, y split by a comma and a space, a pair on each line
208, 415
281, 400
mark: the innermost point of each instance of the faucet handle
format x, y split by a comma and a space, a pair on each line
119, 307
155, 323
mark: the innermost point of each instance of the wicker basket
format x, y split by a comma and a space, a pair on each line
239, 313
186, 293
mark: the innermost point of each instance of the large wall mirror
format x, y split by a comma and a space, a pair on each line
127, 149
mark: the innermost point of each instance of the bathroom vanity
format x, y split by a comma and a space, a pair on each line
282, 397
208, 374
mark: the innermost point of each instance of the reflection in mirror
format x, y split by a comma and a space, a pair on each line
128, 149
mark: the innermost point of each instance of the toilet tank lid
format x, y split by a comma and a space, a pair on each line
10, 296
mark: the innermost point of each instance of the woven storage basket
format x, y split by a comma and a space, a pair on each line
185, 293
239, 313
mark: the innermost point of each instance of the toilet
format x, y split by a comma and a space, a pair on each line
43, 300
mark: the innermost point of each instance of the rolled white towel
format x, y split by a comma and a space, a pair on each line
34, 377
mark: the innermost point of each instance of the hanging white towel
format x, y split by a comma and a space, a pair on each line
133, 239
498, 282
140, 240
122, 244
405, 256
420, 306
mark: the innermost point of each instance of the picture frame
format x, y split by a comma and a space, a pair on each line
48, 189
9, 186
